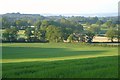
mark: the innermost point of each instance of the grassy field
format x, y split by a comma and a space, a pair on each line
58, 60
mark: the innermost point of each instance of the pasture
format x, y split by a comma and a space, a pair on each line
58, 60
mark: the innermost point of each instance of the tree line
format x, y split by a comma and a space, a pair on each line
54, 29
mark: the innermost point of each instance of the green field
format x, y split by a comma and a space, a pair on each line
58, 60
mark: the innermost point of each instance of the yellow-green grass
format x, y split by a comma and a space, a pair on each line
26, 52
101, 67
58, 60
21, 32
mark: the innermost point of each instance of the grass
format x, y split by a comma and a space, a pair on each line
24, 52
105, 67
58, 60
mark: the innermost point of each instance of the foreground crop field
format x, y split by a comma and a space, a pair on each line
59, 60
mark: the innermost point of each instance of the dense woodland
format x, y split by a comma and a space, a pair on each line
38, 28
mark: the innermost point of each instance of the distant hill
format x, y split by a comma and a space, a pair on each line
48, 14
86, 15
82, 18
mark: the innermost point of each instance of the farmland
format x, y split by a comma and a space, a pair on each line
58, 60
59, 39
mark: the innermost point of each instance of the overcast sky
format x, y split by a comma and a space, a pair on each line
59, 6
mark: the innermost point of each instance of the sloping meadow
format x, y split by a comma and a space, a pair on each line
59, 60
